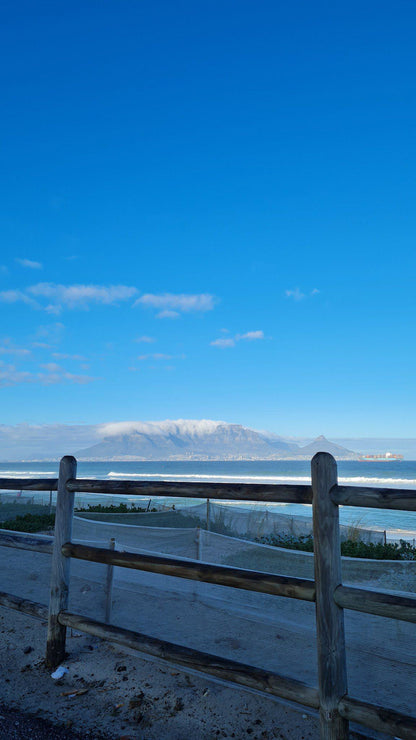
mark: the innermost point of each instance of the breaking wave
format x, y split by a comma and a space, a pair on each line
301, 479
28, 473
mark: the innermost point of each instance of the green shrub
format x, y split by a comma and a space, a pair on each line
379, 551
352, 548
288, 541
119, 509
30, 523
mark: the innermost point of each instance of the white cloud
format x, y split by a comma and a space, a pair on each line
68, 296
249, 336
155, 356
252, 335
80, 296
29, 263
223, 343
9, 375
63, 356
17, 351
190, 427
54, 309
52, 377
54, 374
177, 302
297, 294
145, 340
17, 296
167, 314
54, 297
52, 367
160, 356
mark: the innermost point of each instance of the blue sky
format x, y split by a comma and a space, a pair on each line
208, 211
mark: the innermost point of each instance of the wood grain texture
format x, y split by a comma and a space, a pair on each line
382, 603
378, 718
228, 670
55, 645
29, 484
375, 498
228, 491
332, 671
32, 608
23, 541
223, 575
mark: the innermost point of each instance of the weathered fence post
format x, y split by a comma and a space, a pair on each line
332, 669
208, 516
109, 586
55, 646
198, 543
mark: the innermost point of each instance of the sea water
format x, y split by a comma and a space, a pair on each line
382, 474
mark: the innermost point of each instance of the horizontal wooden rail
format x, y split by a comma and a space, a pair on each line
289, 494
382, 603
32, 608
403, 499
23, 541
29, 484
228, 670
220, 575
378, 718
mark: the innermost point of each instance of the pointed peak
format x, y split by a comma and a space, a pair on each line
322, 444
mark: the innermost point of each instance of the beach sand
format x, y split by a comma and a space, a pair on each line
118, 694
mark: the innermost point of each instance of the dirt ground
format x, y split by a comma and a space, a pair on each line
108, 692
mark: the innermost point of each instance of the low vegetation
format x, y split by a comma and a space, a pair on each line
30, 523
119, 509
351, 548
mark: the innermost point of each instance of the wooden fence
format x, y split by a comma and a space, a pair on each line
336, 706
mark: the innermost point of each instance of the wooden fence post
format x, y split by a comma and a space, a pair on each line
55, 645
332, 669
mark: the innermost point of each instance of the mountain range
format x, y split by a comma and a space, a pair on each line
181, 439
198, 440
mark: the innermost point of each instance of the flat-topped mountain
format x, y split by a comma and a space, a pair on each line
204, 439
184, 439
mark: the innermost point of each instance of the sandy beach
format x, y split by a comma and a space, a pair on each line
110, 693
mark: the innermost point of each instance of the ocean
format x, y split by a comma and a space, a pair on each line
385, 474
